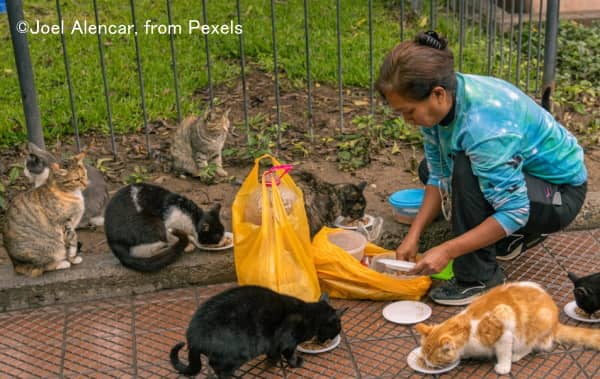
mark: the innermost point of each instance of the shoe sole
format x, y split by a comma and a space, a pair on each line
513, 254
465, 301
519, 250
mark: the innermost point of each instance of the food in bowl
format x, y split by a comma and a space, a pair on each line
350, 222
314, 345
583, 314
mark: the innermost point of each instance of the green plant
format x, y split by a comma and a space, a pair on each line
138, 175
207, 174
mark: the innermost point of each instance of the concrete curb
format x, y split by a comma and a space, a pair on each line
101, 275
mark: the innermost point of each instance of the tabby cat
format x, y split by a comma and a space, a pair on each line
587, 292
147, 227
244, 322
199, 141
95, 195
40, 223
509, 322
324, 201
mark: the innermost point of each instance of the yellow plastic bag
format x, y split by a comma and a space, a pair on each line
342, 276
273, 251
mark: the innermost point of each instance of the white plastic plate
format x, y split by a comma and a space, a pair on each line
339, 222
334, 343
397, 265
214, 248
413, 362
406, 312
570, 311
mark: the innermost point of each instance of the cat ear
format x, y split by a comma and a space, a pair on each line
361, 186
215, 208
423, 329
54, 166
340, 312
573, 277
582, 291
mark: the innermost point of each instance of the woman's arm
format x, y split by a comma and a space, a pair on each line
430, 209
435, 259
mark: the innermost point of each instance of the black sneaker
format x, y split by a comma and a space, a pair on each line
454, 292
515, 244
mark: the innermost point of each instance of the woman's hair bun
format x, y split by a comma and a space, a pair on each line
432, 39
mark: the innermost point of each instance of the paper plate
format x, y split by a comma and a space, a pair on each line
406, 312
338, 222
334, 343
413, 362
397, 265
570, 311
213, 248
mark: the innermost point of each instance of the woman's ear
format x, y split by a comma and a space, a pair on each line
439, 93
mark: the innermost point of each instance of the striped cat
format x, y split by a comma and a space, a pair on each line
40, 224
198, 142
95, 196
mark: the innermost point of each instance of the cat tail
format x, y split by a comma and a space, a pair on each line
195, 364
586, 337
158, 261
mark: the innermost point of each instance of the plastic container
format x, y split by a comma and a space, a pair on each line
352, 242
406, 204
446, 274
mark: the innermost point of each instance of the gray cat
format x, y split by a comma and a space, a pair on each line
95, 196
198, 142
40, 224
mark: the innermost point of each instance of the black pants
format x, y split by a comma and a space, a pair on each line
470, 208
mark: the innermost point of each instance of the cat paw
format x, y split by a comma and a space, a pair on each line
63, 265
502, 368
189, 248
76, 260
296, 361
220, 172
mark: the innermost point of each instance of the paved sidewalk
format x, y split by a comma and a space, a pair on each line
130, 337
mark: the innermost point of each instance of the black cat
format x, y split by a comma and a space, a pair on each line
244, 322
324, 202
147, 227
587, 292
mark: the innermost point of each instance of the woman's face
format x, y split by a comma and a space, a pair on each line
427, 112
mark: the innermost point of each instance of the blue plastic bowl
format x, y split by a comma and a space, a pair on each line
406, 204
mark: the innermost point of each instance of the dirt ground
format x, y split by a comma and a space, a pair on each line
386, 172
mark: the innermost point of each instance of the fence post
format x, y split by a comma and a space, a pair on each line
18, 32
550, 47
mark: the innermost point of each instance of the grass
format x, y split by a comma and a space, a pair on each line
120, 58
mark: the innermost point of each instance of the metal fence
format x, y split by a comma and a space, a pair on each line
508, 33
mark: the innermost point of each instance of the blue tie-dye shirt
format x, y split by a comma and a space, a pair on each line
504, 133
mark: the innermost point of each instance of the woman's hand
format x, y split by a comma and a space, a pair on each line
407, 251
433, 261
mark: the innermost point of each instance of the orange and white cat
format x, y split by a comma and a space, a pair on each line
508, 322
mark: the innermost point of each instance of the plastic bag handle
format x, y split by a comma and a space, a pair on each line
273, 170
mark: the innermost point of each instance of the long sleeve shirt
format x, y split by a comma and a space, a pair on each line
505, 134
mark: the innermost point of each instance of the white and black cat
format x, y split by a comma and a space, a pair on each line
586, 292
95, 195
147, 227
244, 322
